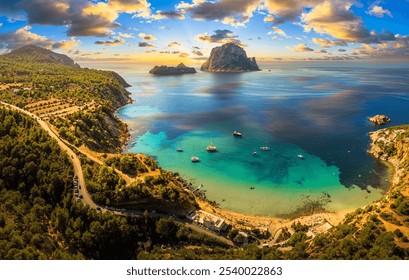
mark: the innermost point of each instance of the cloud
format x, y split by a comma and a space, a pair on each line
286, 10
302, 48
233, 12
66, 44
394, 50
338, 20
1, 24
125, 35
23, 36
326, 43
378, 11
279, 31
168, 14
146, 45
112, 42
342, 50
173, 44
198, 53
145, 36
184, 54
219, 36
150, 51
82, 17
141, 8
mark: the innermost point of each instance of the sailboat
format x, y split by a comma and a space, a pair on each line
211, 148
194, 158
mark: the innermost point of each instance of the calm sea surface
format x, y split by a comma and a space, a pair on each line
317, 110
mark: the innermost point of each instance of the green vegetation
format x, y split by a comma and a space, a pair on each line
39, 218
162, 191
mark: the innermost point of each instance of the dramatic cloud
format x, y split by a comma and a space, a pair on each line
220, 37
326, 43
173, 44
302, 48
145, 36
378, 11
23, 36
283, 10
168, 14
338, 20
184, 55
112, 42
146, 45
82, 17
234, 12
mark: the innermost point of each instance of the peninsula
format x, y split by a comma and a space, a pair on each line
229, 58
170, 70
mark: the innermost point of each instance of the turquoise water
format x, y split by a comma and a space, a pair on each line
317, 110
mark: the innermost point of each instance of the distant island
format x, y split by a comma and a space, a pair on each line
229, 58
170, 70
380, 119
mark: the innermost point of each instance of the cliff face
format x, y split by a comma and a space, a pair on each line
392, 145
229, 58
169, 70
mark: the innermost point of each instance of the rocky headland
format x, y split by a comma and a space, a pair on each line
170, 70
380, 119
229, 58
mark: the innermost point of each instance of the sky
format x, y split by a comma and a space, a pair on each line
152, 31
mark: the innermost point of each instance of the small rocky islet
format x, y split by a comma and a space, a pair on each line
170, 70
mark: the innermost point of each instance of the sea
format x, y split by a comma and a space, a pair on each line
313, 117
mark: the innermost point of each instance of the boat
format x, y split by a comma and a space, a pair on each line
300, 156
211, 148
237, 134
194, 159
179, 149
254, 153
252, 188
265, 148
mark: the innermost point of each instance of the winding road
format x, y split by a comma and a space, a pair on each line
86, 198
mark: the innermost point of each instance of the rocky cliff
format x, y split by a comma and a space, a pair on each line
379, 119
229, 58
169, 70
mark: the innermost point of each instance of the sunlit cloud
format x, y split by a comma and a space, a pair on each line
168, 14
112, 42
173, 44
302, 48
378, 11
326, 43
145, 36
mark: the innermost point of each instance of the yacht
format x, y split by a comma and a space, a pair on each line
265, 148
254, 153
300, 156
237, 134
179, 149
194, 159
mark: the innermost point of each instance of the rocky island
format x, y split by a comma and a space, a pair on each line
379, 119
170, 70
229, 58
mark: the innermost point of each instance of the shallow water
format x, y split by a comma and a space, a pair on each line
316, 110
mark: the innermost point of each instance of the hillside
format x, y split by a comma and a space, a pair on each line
33, 53
81, 100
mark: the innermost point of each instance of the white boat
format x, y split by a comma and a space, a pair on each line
211, 148
265, 148
237, 134
254, 153
194, 159
300, 156
179, 149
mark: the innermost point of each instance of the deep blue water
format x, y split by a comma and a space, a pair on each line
319, 110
